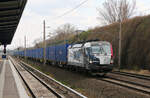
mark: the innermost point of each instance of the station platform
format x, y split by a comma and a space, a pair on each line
11, 85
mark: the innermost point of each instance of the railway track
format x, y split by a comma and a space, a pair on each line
45, 88
129, 83
57, 89
144, 77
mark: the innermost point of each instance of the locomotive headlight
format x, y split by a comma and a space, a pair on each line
91, 61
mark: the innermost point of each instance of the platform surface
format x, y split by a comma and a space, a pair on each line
10, 84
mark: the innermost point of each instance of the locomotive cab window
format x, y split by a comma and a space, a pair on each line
101, 49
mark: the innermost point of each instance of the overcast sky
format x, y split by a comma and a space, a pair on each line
36, 11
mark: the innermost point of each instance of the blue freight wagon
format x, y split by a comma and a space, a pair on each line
41, 53
34, 53
22, 53
28, 53
47, 51
61, 53
37, 53
51, 53
56, 53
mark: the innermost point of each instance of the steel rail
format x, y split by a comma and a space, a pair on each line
144, 77
127, 84
42, 82
26, 84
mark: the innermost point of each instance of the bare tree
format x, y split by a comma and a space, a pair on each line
66, 28
64, 31
37, 43
116, 10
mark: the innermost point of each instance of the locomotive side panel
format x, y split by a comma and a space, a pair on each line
76, 56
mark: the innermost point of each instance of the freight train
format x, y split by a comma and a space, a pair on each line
92, 56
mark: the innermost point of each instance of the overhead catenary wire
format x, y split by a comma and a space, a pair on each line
69, 11
76, 7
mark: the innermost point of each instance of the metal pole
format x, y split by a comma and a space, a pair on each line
44, 44
25, 47
64, 38
78, 36
120, 41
